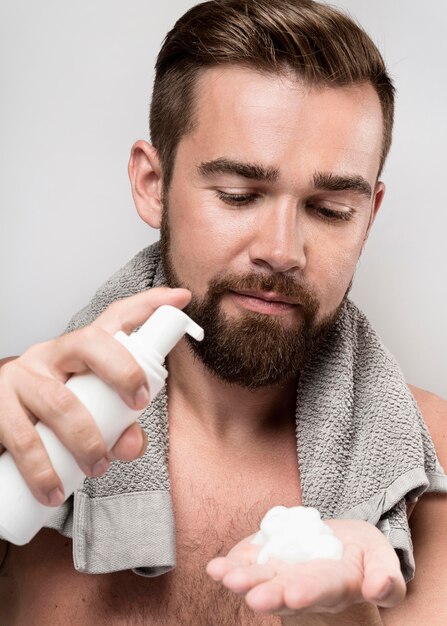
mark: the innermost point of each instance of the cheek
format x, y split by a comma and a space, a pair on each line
202, 244
198, 226
335, 273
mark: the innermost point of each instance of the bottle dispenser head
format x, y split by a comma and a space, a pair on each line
165, 327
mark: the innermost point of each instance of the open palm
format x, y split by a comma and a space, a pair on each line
369, 571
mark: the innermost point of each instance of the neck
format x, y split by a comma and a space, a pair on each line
222, 412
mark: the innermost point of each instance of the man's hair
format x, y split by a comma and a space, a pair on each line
321, 45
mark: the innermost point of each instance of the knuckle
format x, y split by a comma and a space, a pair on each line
88, 436
34, 352
44, 478
57, 397
115, 306
24, 441
10, 371
116, 309
50, 349
89, 333
93, 447
7, 372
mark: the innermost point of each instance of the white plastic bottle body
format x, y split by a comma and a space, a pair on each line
21, 515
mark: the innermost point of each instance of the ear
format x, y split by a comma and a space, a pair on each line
379, 194
146, 180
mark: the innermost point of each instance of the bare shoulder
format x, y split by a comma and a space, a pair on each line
429, 402
434, 412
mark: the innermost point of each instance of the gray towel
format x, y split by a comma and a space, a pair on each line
363, 449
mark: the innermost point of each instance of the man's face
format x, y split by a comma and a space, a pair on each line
266, 216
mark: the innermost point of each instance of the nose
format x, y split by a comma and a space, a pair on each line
278, 242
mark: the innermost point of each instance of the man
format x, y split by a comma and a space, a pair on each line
270, 127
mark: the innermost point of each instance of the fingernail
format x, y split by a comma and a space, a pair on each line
100, 467
56, 497
386, 590
141, 397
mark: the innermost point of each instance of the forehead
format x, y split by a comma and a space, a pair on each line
278, 120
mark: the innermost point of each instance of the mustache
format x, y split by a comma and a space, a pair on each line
281, 284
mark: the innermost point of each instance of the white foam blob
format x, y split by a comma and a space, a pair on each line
295, 535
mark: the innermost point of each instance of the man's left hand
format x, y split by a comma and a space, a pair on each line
369, 571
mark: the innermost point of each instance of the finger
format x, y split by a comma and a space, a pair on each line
129, 313
383, 583
243, 554
92, 348
267, 597
131, 445
220, 566
55, 405
21, 439
241, 579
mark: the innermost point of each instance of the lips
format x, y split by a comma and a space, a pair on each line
266, 296
265, 302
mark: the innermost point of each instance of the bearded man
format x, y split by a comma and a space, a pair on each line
270, 127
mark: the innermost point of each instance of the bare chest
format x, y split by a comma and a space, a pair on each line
217, 503
40, 586
214, 509
213, 513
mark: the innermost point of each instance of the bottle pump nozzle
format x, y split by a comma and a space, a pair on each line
165, 327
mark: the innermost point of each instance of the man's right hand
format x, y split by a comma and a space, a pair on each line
32, 388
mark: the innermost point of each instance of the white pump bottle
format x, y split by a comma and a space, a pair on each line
21, 515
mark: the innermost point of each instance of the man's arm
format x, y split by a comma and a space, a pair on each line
426, 600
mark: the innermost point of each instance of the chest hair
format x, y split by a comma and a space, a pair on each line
187, 595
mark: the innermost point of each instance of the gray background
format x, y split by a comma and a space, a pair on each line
75, 88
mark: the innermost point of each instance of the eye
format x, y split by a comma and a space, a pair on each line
236, 199
330, 215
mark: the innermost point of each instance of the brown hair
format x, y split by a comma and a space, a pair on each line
320, 44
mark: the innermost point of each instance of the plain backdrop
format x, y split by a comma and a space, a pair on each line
75, 81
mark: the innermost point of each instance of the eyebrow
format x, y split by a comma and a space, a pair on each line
253, 171
324, 181
334, 182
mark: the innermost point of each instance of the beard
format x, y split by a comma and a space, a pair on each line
256, 350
